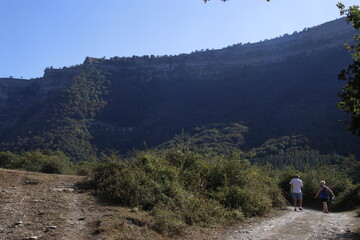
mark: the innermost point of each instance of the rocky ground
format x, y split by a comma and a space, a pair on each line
44, 206
50, 206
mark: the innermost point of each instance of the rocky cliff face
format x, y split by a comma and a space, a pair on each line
277, 87
24, 103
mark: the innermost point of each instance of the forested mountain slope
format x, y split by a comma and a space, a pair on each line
280, 87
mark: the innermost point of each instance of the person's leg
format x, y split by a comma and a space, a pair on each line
326, 209
300, 203
295, 199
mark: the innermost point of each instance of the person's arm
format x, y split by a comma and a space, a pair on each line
330, 191
318, 192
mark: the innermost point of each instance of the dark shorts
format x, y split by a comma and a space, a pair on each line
296, 196
324, 199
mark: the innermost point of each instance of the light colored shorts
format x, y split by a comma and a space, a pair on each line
297, 196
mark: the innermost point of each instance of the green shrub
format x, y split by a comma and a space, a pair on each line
348, 200
31, 161
85, 168
38, 161
182, 187
58, 163
8, 159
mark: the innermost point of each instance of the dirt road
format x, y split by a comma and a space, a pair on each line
306, 225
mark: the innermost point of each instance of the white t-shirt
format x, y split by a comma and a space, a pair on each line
297, 184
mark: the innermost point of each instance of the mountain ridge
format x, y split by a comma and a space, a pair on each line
280, 87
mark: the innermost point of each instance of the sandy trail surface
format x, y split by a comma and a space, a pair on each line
305, 225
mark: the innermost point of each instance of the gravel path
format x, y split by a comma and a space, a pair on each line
305, 225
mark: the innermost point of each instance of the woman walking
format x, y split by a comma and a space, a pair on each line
324, 192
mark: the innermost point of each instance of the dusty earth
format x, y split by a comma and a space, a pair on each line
50, 206
43, 206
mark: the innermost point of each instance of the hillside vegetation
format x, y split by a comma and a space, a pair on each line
281, 87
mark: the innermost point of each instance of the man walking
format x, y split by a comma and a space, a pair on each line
297, 185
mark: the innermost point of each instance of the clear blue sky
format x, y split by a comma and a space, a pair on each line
36, 34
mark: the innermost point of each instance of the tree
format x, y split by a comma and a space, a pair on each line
350, 93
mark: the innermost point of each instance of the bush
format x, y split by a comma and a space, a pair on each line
58, 163
182, 187
8, 159
85, 168
348, 200
37, 161
31, 161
